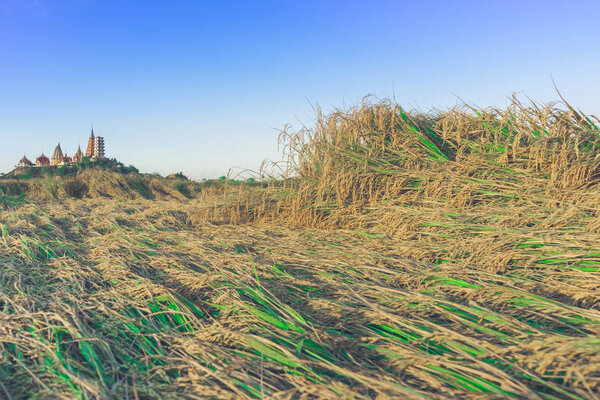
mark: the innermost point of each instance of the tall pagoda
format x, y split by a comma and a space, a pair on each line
95, 147
99, 147
90, 147
57, 157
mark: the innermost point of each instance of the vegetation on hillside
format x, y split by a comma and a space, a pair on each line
94, 182
67, 170
402, 256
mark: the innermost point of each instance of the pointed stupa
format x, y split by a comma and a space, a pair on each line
90, 147
57, 157
78, 157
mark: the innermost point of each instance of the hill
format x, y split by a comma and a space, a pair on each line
66, 170
96, 182
403, 255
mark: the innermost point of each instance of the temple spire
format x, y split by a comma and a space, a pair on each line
90, 147
57, 157
78, 157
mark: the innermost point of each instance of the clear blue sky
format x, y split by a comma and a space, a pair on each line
201, 86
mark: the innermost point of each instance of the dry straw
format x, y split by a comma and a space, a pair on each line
450, 255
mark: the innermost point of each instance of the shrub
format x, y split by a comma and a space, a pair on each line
140, 185
184, 189
180, 175
75, 188
12, 188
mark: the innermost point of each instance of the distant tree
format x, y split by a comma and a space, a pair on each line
180, 175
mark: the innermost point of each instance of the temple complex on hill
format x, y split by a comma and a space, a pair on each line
94, 151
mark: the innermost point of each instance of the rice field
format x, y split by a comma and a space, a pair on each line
397, 255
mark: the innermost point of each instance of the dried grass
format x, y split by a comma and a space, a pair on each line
450, 255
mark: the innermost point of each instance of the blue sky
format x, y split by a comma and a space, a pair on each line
201, 86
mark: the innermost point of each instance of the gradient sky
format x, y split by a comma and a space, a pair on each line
201, 86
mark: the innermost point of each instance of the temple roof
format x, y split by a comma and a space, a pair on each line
25, 161
42, 159
58, 154
78, 157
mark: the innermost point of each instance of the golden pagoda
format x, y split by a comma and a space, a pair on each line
57, 157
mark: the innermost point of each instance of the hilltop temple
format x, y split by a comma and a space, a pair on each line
95, 151
95, 146
42, 160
